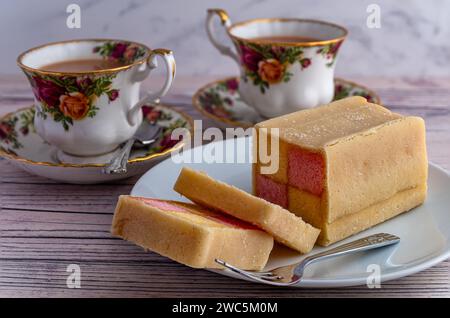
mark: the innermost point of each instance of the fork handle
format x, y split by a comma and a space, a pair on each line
366, 243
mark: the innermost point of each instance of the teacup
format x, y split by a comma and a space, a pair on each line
285, 64
90, 113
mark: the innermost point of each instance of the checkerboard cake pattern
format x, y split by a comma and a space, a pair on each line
285, 227
345, 166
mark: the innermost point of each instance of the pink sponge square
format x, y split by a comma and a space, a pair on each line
306, 170
271, 191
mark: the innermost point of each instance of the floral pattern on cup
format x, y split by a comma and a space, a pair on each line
121, 51
10, 131
69, 98
18, 135
330, 51
267, 64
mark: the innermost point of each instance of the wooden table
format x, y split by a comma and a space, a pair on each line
44, 226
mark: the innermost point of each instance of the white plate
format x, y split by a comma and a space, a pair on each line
424, 231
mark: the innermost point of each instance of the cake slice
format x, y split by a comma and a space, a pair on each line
283, 225
190, 234
340, 161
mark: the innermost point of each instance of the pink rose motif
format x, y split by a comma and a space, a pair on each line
232, 85
5, 130
119, 50
278, 50
250, 58
113, 94
168, 142
47, 91
367, 96
207, 99
150, 113
83, 83
305, 62
130, 53
24, 130
334, 48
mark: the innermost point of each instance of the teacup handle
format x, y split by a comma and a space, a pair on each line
225, 20
169, 61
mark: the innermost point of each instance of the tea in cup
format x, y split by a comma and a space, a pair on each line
87, 92
285, 64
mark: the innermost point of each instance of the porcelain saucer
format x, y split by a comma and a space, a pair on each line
220, 101
21, 145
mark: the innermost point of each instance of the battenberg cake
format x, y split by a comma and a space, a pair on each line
190, 234
345, 166
283, 225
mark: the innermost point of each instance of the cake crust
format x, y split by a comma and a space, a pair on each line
370, 154
182, 233
346, 226
284, 226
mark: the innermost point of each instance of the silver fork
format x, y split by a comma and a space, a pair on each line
292, 274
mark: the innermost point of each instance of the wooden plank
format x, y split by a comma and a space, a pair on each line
45, 225
156, 279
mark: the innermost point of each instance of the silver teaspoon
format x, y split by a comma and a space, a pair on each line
144, 136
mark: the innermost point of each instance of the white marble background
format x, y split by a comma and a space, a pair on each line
413, 41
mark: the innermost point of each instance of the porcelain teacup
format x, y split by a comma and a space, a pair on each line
90, 113
281, 77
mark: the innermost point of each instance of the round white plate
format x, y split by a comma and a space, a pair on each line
424, 231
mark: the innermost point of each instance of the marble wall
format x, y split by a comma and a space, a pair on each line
413, 41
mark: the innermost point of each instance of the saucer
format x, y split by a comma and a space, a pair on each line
21, 145
220, 101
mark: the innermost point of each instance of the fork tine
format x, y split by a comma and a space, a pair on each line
256, 276
219, 261
270, 278
231, 267
264, 274
236, 270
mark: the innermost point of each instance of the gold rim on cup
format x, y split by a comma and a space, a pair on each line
224, 18
304, 44
102, 71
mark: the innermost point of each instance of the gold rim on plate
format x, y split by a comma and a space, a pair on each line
235, 123
179, 145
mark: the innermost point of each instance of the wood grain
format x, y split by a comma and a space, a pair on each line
45, 225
